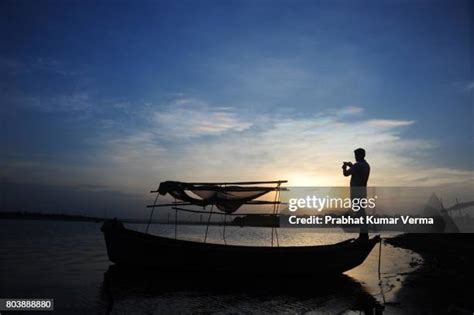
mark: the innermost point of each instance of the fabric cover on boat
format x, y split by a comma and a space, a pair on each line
226, 198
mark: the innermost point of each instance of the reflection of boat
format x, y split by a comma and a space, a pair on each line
127, 247
251, 294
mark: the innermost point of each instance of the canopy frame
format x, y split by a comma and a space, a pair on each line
227, 206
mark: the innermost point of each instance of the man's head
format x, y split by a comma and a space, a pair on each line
359, 154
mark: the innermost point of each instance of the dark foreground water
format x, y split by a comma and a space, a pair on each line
67, 261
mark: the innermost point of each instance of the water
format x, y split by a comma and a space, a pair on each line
67, 261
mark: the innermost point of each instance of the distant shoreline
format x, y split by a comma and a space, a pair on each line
24, 215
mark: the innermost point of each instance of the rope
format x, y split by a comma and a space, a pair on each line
380, 256
176, 224
275, 208
223, 232
379, 271
208, 222
169, 226
151, 214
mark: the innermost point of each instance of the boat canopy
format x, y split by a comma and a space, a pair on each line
227, 197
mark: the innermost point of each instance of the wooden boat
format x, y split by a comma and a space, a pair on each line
129, 248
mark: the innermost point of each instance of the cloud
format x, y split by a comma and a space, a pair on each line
190, 140
135, 149
305, 150
310, 147
15, 66
191, 118
75, 102
463, 86
77, 93
350, 110
389, 123
72, 102
469, 86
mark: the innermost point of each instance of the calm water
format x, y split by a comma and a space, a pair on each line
67, 261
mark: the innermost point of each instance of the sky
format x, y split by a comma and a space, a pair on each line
117, 96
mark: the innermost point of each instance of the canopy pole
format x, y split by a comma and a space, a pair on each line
151, 214
276, 214
240, 183
223, 232
208, 222
273, 216
254, 202
219, 213
175, 224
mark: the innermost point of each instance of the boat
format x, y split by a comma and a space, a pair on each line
132, 249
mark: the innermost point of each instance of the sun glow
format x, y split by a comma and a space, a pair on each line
323, 180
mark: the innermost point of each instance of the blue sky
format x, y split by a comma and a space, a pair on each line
122, 95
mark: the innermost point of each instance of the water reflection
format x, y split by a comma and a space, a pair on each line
67, 260
142, 291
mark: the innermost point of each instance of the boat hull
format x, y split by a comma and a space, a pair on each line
128, 248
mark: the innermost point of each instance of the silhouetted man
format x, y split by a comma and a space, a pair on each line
359, 173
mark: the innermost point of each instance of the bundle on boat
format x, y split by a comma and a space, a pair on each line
131, 248
227, 197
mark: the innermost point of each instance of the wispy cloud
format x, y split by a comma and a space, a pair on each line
134, 149
469, 86
77, 101
463, 86
306, 150
72, 92
389, 123
350, 110
15, 66
191, 118
189, 139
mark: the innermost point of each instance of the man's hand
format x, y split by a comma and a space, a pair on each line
346, 164
346, 168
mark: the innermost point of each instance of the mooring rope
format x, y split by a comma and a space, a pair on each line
380, 255
379, 271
